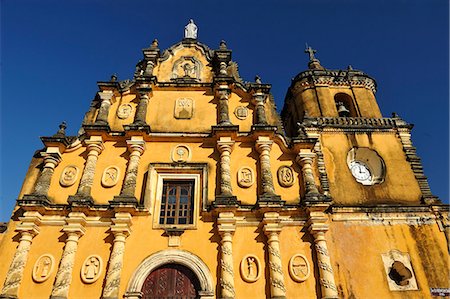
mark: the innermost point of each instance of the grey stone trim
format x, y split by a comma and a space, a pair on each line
222, 201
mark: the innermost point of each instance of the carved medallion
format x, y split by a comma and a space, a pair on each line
187, 67
299, 268
68, 176
241, 112
91, 269
184, 108
124, 111
181, 153
250, 268
286, 176
245, 177
43, 268
110, 176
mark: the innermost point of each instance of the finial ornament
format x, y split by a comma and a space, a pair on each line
190, 30
223, 45
113, 78
311, 52
258, 79
154, 43
62, 130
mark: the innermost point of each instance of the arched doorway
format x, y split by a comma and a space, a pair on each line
171, 281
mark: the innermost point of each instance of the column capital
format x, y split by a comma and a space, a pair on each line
136, 143
95, 143
225, 144
106, 95
259, 98
29, 223
121, 224
317, 221
272, 223
223, 91
226, 223
304, 156
75, 224
263, 143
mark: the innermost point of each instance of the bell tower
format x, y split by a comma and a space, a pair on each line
364, 158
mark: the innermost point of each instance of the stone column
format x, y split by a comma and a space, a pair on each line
102, 117
94, 147
141, 110
226, 224
224, 92
225, 146
51, 160
317, 227
74, 229
136, 146
259, 100
263, 146
121, 230
272, 229
27, 229
305, 159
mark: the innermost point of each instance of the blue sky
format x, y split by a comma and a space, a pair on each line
54, 52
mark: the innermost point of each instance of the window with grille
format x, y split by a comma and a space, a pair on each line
177, 202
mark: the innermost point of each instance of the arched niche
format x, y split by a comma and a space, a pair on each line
345, 102
171, 256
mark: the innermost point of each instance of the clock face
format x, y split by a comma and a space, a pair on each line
361, 172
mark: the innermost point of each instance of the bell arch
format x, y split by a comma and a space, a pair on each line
171, 256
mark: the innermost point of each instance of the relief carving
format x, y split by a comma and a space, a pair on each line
124, 111
43, 268
110, 176
299, 268
187, 67
250, 268
91, 269
241, 112
286, 176
184, 108
245, 177
181, 154
68, 176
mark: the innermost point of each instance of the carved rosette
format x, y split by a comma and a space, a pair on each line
121, 230
94, 147
136, 147
225, 146
124, 111
272, 230
226, 226
43, 182
264, 147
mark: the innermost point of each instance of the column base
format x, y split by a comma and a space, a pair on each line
226, 201
269, 200
33, 200
264, 127
124, 201
81, 200
315, 198
140, 127
100, 126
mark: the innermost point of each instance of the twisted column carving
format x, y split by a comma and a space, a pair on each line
44, 180
94, 147
224, 93
317, 227
136, 146
74, 229
264, 146
141, 110
102, 117
272, 229
225, 146
259, 100
226, 226
27, 229
121, 230
305, 159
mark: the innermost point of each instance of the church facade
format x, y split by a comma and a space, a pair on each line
185, 182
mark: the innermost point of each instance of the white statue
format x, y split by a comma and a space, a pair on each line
190, 30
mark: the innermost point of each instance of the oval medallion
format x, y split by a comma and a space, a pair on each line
69, 176
110, 176
285, 176
92, 268
299, 268
181, 153
124, 111
43, 268
250, 268
245, 177
241, 112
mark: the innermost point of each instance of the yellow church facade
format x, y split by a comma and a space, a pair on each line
185, 182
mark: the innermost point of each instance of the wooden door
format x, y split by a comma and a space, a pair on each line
171, 282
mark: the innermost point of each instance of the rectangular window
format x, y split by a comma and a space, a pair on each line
177, 202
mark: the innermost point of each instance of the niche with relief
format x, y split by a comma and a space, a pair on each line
399, 271
68, 176
91, 269
250, 268
299, 268
43, 268
110, 176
